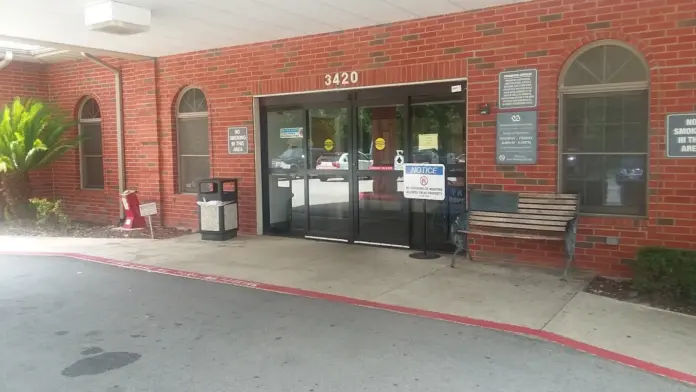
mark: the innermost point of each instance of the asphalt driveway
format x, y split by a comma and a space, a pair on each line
71, 325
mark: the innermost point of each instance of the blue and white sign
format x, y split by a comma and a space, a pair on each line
291, 133
424, 181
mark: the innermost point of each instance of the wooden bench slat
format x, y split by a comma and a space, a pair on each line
548, 201
556, 217
512, 235
569, 214
550, 195
517, 226
546, 206
522, 221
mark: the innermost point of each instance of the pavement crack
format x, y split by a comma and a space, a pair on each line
407, 283
543, 327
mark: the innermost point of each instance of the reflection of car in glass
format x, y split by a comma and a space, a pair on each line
626, 174
425, 156
339, 162
291, 160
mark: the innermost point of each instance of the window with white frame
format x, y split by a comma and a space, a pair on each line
192, 139
91, 158
604, 129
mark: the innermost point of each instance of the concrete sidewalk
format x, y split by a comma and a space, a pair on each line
532, 298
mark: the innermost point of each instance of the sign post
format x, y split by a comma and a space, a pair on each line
148, 210
423, 181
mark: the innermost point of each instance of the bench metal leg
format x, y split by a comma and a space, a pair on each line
570, 238
460, 241
454, 257
569, 261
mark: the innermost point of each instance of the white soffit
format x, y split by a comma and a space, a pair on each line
179, 26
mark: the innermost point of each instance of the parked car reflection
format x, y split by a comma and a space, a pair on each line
336, 165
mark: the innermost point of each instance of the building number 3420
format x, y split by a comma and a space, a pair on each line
341, 79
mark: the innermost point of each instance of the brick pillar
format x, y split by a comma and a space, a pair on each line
141, 136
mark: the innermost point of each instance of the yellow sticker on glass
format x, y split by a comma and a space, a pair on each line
328, 145
380, 143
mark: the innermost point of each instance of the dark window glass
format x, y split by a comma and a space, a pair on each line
608, 122
604, 152
193, 101
192, 140
604, 65
607, 184
91, 159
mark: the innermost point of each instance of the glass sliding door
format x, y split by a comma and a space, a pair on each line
286, 160
329, 177
381, 210
438, 136
333, 163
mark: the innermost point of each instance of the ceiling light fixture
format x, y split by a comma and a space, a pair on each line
112, 17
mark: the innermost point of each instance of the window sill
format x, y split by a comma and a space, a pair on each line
617, 216
91, 189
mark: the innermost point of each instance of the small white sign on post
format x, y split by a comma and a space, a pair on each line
424, 181
149, 209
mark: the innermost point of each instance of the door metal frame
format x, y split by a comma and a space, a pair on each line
387, 100
351, 207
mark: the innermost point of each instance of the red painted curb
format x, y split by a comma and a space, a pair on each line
503, 327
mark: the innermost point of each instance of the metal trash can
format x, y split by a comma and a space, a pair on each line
218, 208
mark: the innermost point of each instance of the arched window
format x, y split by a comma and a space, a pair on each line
604, 126
192, 139
91, 158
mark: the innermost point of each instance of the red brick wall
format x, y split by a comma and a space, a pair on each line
22, 80
476, 45
70, 84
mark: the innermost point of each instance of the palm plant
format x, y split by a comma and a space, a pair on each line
31, 137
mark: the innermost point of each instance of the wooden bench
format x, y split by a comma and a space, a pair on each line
532, 216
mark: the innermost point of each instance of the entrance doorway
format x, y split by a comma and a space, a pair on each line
332, 163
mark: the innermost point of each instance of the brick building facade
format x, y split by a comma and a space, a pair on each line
475, 45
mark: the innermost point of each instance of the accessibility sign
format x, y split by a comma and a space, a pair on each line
424, 181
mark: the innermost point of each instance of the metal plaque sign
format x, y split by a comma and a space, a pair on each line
238, 140
518, 89
681, 135
516, 138
424, 181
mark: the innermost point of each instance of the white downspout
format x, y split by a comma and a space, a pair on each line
119, 125
7, 60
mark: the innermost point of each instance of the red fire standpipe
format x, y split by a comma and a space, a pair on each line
131, 208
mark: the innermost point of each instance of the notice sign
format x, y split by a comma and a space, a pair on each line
681, 135
424, 181
238, 140
516, 138
518, 89
427, 141
291, 133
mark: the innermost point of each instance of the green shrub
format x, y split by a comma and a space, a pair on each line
667, 272
50, 213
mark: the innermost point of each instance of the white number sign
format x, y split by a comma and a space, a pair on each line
341, 79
